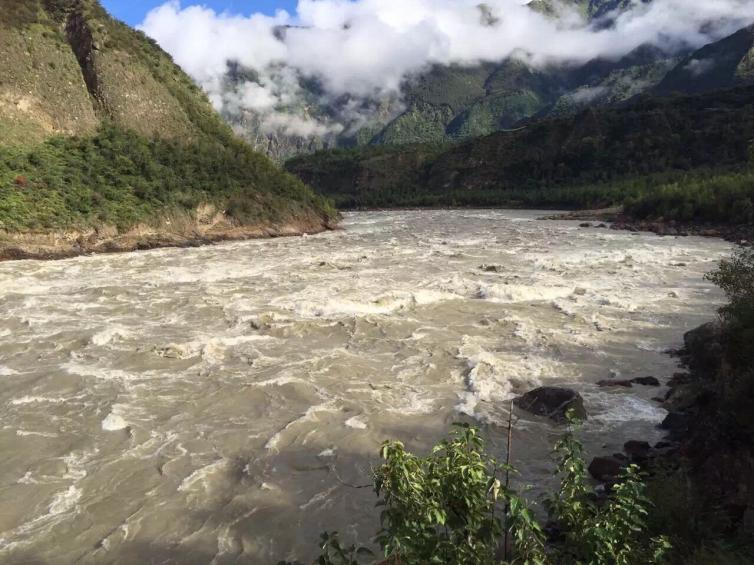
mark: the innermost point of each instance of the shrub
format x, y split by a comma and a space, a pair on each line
735, 276
454, 507
122, 178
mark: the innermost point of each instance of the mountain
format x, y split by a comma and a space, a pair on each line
454, 103
590, 9
723, 64
102, 133
598, 157
451, 103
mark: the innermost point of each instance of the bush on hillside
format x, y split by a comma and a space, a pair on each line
121, 178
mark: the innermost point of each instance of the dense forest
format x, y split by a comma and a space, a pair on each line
685, 157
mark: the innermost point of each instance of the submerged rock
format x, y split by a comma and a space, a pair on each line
607, 469
553, 402
610, 382
491, 268
637, 451
628, 383
646, 381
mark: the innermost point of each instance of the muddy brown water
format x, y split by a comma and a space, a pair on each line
209, 405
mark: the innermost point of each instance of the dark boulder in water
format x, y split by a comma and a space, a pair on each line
676, 423
553, 402
607, 469
646, 381
637, 451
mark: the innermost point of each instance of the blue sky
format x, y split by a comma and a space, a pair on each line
133, 11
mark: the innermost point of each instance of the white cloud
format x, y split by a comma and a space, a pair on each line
365, 49
698, 67
588, 94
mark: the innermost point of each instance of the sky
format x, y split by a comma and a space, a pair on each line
133, 12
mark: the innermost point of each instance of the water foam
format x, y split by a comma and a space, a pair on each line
511, 293
356, 423
114, 422
37, 400
109, 335
200, 478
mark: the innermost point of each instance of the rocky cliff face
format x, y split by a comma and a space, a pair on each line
40, 75
711, 421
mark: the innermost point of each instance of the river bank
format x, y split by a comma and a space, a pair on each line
615, 219
207, 227
701, 474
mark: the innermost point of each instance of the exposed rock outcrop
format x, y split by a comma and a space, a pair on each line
628, 383
205, 227
553, 402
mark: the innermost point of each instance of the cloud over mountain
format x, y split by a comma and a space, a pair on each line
359, 51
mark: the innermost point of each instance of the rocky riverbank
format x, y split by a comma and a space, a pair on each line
615, 219
205, 227
709, 448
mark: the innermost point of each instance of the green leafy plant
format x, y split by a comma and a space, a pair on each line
453, 507
448, 507
613, 532
736, 277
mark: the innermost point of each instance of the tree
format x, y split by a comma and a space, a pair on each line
451, 507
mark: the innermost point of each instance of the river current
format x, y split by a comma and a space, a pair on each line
218, 404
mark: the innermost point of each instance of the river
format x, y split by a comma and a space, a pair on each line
217, 404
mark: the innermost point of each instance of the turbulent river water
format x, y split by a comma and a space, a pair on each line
213, 405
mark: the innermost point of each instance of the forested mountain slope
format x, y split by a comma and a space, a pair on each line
599, 157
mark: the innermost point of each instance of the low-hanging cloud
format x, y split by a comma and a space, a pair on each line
361, 51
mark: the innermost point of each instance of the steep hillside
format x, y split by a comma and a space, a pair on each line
598, 157
101, 131
723, 64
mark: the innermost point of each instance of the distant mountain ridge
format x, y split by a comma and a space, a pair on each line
451, 103
724, 64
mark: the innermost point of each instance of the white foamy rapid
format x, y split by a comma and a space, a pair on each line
208, 405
